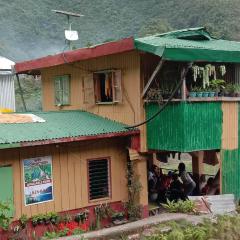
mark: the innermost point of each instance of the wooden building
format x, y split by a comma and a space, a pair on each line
124, 81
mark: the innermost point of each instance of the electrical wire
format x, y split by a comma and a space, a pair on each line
166, 103
72, 64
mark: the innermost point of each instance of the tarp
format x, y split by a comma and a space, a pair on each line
194, 44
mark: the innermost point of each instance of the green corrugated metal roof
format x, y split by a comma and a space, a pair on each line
194, 44
61, 124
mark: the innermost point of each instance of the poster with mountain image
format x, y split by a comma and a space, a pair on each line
38, 182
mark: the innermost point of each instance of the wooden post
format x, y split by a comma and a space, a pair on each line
183, 90
197, 165
21, 93
140, 169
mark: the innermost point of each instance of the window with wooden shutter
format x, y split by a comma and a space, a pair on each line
107, 86
62, 90
99, 178
117, 86
88, 89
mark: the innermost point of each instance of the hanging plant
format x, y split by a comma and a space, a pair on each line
207, 72
222, 69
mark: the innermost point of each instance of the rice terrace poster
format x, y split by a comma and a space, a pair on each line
38, 182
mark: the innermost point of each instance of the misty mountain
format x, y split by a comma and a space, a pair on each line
29, 29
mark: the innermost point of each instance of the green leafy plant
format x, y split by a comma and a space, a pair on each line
81, 216
23, 220
35, 220
102, 211
66, 218
180, 206
5, 215
217, 84
134, 210
118, 216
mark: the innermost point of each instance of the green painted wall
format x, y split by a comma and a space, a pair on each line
185, 126
6, 184
230, 172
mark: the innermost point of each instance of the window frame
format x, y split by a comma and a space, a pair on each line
62, 90
114, 101
109, 197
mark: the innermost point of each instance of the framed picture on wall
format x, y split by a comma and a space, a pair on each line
38, 180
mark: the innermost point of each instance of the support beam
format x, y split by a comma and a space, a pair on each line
21, 93
154, 74
183, 78
197, 165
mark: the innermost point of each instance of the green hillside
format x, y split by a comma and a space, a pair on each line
29, 29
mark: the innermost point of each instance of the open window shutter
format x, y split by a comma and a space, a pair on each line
88, 89
117, 86
58, 90
66, 89
97, 92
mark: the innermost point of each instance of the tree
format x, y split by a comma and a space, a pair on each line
155, 26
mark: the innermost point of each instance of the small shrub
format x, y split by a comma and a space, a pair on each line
23, 220
5, 215
179, 206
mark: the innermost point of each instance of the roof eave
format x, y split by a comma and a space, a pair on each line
109, 48
70, 139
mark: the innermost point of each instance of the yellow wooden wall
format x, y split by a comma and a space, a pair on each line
130, 111
69, 174
230, 125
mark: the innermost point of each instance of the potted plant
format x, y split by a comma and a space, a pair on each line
54, 218
46, 218
35, 221
217, 86
120, 216
193, 92
236, 90
229, 90
199, 92
23, 220
205, 92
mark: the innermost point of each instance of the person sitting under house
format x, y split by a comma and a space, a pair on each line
163, 187
210, 188
153, 180
176, 190
188, 184
202, 183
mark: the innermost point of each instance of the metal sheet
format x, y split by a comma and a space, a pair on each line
217, 204
7, 92
185, 127
230, 172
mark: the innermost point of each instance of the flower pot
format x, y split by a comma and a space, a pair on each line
192, 94
212, 94
199, 94
221, 94
205, 94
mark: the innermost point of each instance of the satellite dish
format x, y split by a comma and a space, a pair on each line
71, 35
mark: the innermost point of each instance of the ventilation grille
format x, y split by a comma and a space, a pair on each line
98, 171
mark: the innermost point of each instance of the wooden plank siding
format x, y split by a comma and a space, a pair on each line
69, 174
130, 111
230, 126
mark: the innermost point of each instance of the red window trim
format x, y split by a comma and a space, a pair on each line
109, 176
